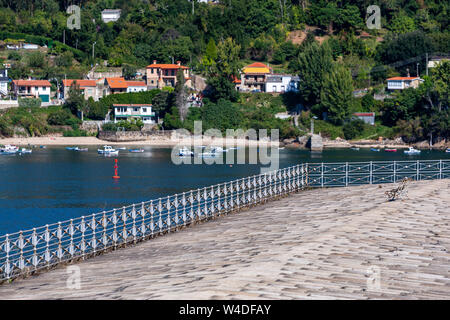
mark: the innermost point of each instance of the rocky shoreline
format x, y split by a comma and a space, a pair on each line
339, 143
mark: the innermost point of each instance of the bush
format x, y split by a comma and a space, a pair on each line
59, 117
30, 102
353, 129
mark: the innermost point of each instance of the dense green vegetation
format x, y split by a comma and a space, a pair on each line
35, 121
331, 50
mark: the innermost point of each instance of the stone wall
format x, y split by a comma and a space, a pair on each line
129, 136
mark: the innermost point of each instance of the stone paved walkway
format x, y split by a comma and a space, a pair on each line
317, 244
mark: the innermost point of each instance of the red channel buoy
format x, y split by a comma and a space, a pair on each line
116, 175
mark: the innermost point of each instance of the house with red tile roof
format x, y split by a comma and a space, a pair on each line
160, 75
401, 83
115, 85
87, 87
32, 89
136, 86
254, 77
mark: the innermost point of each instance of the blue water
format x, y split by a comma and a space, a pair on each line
55, 184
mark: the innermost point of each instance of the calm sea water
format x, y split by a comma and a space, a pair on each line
55, 184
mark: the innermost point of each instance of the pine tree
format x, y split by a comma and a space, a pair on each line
336, 94
314, 63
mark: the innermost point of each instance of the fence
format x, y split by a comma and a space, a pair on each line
27, 251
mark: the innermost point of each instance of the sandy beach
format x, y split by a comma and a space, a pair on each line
338, 243
159, 141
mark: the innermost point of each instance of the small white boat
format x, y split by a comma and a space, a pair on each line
185, 152
355, 148
9, 149
82, 149
448, 150
108, 150
24, 150
121, 148
411, 150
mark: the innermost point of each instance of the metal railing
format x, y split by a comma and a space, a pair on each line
28, 251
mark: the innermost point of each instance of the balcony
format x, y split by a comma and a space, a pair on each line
255, 81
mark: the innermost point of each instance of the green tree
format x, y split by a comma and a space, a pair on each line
336, 94
314, 63
441, 82
75, 101
224, 71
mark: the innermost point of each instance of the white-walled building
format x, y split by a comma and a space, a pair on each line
136, 86
134, 111
4, 80
111, 15
279, 83
32, 88
401, 83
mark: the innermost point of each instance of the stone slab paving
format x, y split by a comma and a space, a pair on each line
317, 244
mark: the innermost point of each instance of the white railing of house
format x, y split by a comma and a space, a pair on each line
28, 251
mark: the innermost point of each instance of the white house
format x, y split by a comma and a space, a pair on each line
134, 111
4, 80
136, 86
281, 83
401, 83
32, 88
111, 15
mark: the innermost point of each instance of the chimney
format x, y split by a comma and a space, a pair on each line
179, 63
154, 61
407, 70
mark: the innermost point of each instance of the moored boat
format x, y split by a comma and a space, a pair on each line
411, 151
24, 150
390, 150
82, 149
108, 150
374, 150
9, 149
448, 150
185, 152
137, 150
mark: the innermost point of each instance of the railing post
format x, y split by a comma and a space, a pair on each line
417, 170
133, 215
83, 244
21, 244
371, 172
440, 169
71, 251
47, 246
321, 175
346, 174
395, 171
59, 236
7, 263
114, 235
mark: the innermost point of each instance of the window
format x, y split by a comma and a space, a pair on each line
144, 109
152, 81
136, 109
36, 88
153, 70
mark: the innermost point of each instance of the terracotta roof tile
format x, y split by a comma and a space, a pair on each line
32, 83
